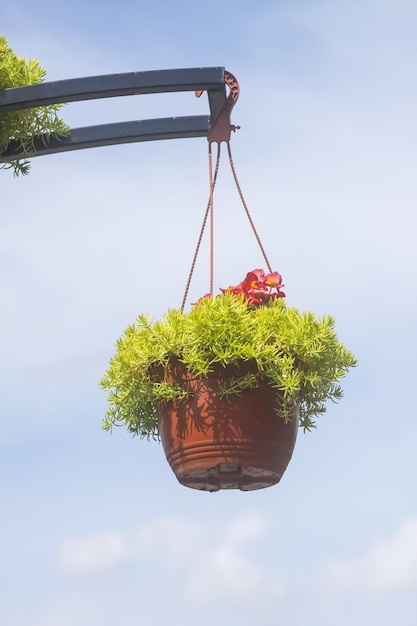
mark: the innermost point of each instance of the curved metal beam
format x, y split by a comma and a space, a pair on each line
118, 133
209, 79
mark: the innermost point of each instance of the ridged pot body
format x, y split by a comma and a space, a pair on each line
235, 442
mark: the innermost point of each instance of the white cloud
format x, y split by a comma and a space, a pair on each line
208, 559
169, 538
88, 555
391, 564
221, 567
245, 528
226, 573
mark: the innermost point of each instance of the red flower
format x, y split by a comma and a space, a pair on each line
207, 295
257, 288
235, 290
274, 279
254, 282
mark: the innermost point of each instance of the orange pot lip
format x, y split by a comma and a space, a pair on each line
177, 370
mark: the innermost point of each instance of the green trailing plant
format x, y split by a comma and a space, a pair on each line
297, 353
24, 125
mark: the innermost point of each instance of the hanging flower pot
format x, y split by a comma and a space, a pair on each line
226, 385
216, 439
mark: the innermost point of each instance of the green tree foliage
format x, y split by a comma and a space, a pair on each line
22, 126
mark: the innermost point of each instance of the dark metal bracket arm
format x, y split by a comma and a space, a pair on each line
213, 80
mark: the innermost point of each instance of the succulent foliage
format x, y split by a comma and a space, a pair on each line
296, 353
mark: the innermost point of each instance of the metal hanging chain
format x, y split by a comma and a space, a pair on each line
209, 210
246, 208
220, 132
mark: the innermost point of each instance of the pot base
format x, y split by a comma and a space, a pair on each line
228, 476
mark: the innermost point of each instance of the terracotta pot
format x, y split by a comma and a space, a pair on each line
237, 442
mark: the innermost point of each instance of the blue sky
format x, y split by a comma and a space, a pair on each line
95, 529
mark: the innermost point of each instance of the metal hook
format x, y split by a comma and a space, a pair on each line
222, 128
